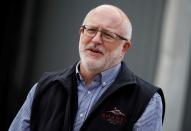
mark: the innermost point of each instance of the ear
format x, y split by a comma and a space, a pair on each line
81, 30
126, 46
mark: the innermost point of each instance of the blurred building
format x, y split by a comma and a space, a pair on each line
42, 35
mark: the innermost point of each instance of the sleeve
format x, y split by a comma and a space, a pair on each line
21, 121
151, 119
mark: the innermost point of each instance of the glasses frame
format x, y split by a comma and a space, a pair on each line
117, 37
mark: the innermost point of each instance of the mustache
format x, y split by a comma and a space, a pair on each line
95, 48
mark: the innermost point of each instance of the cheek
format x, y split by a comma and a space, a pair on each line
111, 48
115, 50
81, 43
84, 39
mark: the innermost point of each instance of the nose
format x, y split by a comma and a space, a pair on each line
97, 38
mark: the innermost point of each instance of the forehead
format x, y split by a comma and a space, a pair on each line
108, 18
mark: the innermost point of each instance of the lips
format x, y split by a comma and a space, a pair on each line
96, 51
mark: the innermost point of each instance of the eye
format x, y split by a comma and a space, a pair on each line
108, 35
91, 30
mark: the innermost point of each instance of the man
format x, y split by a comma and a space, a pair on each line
99, 92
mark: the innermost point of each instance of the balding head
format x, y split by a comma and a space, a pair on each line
114, 15
104, 38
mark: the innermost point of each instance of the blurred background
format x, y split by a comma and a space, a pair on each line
42, 35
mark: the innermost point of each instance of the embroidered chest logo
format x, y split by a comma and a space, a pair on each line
115, 116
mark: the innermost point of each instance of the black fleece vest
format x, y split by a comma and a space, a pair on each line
55, 103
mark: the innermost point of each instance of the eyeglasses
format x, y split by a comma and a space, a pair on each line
106, 35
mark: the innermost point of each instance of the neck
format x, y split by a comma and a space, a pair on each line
87, 75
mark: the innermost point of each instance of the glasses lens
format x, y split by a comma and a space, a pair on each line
108, 36
90, 31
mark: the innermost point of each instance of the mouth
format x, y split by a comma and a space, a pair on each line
96, 51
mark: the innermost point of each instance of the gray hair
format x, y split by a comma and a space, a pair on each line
126, 22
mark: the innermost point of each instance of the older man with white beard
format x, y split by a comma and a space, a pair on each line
99, 92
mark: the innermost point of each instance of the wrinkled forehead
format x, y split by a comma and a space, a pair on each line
105, 16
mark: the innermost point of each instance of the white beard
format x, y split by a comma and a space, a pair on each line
92, 64
101, 64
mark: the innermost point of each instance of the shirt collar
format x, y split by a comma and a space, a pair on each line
79, 77
104, 77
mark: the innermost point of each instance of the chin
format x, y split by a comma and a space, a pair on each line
93, 64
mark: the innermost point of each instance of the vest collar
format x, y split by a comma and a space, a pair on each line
125, 76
